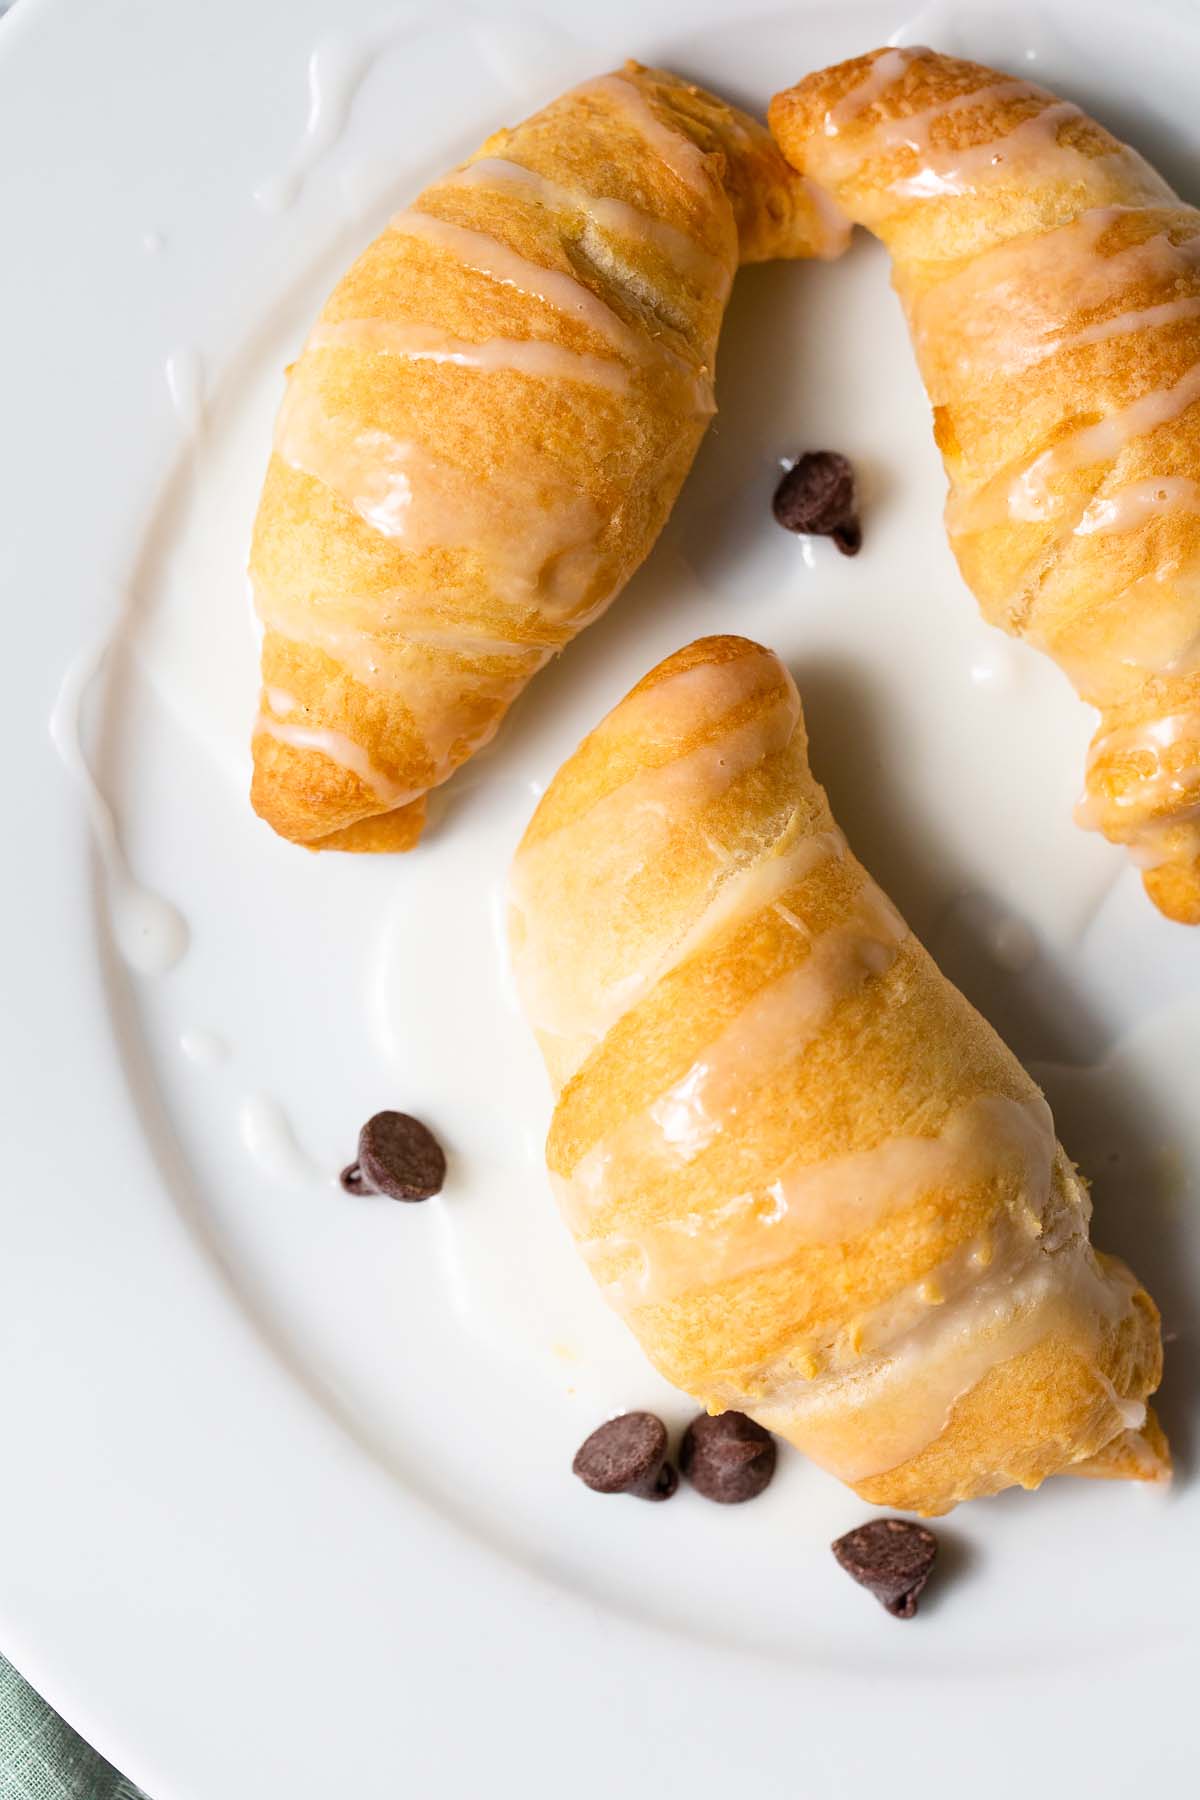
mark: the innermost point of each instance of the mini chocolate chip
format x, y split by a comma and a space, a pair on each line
397, 1156
817, 497
890, 1557
627, 1455
728, 1458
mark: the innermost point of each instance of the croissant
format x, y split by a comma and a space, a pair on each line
486, 431
814, 1181
1052, 285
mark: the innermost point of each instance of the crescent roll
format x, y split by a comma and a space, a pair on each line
813, 1180
1052, 285
486, 431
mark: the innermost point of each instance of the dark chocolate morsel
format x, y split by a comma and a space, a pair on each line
728, 1458
627, 1455
397, 1156
892, 1558
817, 497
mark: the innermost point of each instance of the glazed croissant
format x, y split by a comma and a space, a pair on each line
1052, 284
486, 431
815, 1182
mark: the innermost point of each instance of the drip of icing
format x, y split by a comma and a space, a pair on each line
617, 217
337, 748
1027, 496
772, 1029
562, 293
204, 1048
1169, 789
884, 72
959, 172
337, 68
989, 1138
1131, 505
426, 343
271, 1143
486, 255
185, 383
677, 152
149, 931
1003, 311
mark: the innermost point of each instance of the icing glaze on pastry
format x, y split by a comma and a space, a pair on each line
813, 1181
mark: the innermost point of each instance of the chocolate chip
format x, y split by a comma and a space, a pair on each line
890, 1557
817, 497
397, 1156
728, 1458
627, 1455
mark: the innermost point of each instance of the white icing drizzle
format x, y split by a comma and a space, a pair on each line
1132, 505
1027, 496
771, 1030
677, 152
837, 1201
577, 999
874, 1417
1168, 789
534, 357
486, 255
884, 72
1004, 310
956, 172
404, 492
617, 217
566, 295
335, 746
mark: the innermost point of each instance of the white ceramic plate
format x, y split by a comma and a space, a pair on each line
286, 1504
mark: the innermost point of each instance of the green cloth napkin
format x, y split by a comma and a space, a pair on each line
41, 1758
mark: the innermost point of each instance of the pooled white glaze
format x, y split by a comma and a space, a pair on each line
149, 931
207, 1049
269, 1140
184, 373
677, 152
337, 67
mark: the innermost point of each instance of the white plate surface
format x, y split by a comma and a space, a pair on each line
286, 1504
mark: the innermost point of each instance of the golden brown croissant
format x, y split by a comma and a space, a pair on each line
486, 431
816, 1183
1052, 284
